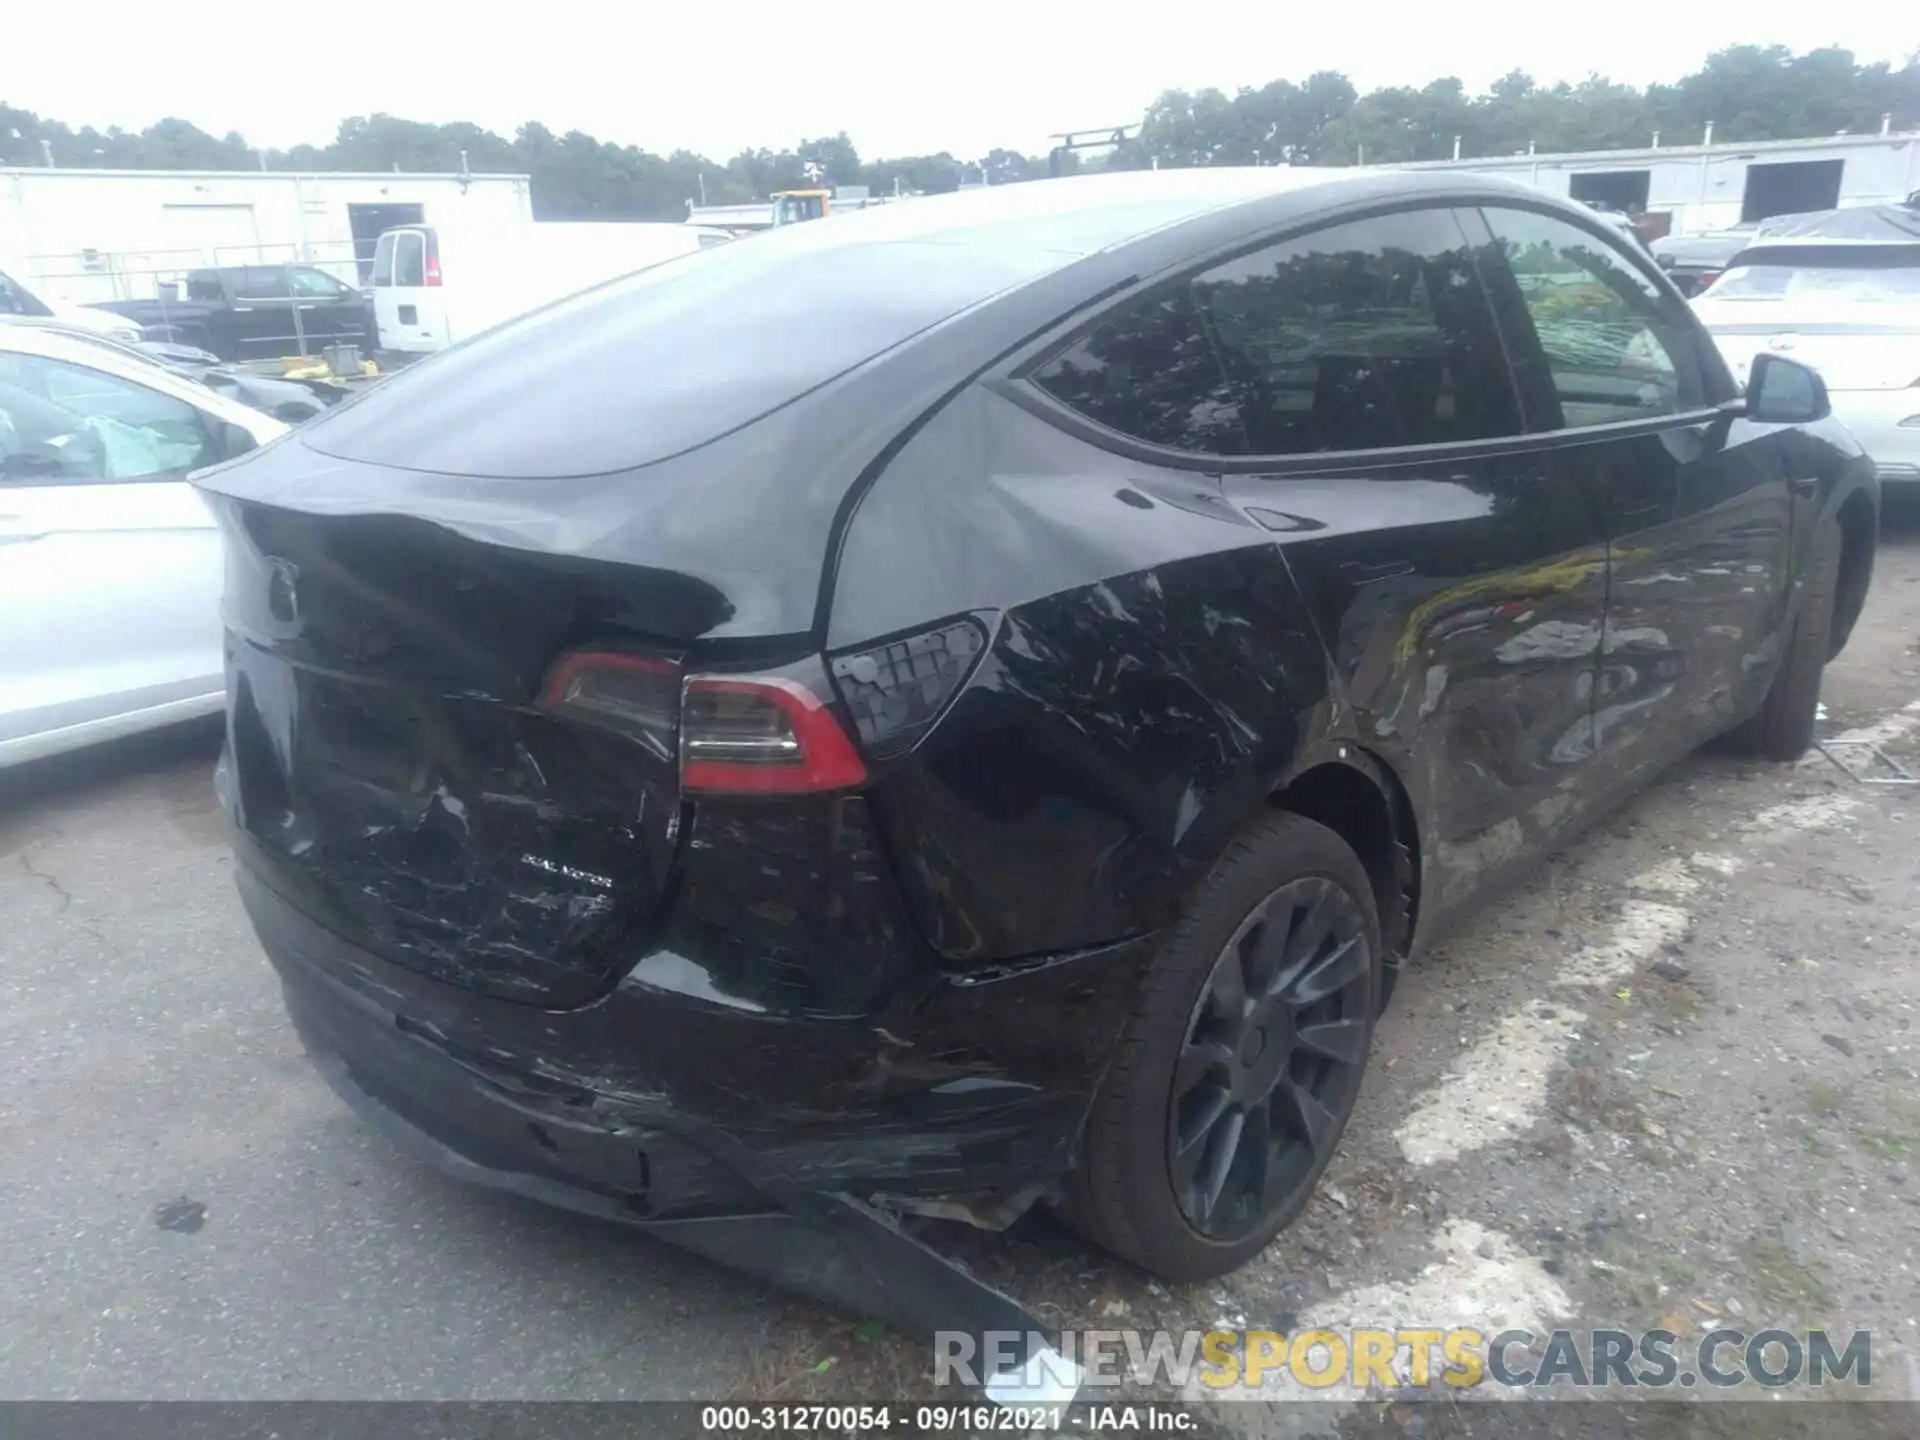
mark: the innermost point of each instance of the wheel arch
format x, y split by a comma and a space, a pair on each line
1357, 795
1859, 519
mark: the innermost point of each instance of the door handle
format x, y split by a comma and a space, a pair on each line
1805, 486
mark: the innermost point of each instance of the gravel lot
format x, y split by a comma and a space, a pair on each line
1700, 1020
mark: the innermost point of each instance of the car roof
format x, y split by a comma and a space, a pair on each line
809, 302
613, 424
1083, 214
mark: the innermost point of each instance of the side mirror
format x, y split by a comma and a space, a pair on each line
235, 440
1785, 392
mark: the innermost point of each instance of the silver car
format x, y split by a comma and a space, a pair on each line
1848, 307
110, 565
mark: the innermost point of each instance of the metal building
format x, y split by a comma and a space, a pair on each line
92, 235
1710, 187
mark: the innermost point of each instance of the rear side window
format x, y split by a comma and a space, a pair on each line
1614, 347
203, 285
1366, 335
383, 260
1152, 372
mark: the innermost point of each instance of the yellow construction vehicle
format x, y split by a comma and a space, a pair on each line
791, 206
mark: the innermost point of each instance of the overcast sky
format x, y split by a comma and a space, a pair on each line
899, 78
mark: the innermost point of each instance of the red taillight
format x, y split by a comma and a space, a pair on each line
637, 695
735, 734
762, 735
433, 259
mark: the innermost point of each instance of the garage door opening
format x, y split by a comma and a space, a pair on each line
367, 221
1624, 190
1791, 188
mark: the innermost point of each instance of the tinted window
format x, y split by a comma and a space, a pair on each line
203, 285
317, 285
1151, 372
666, 359
1615, 348
69, 423
1375, 333
1370, 334
261, 282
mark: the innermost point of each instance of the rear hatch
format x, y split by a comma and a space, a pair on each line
392, 775
650, 471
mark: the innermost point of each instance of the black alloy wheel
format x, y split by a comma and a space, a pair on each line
1241, 1060
1273, 1058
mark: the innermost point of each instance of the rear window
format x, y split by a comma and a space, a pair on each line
1855, 274
409, 259
383, 261
667, 359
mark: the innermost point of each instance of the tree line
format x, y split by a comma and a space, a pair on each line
1746, 92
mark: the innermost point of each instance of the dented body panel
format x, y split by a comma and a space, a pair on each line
555, 963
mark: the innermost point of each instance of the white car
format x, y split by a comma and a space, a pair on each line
1850, 309
110, 562
21, 296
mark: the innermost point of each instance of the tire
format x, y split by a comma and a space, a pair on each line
1782, 729
1159, 1132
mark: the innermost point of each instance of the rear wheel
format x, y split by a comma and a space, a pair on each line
1242, 1058
1783, 727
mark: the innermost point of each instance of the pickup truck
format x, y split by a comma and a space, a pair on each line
254, 312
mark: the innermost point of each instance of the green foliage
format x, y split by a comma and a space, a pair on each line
1748, 92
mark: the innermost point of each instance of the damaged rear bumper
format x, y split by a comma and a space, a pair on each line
783, 1147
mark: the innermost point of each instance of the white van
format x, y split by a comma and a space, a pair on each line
430, 292
20, 295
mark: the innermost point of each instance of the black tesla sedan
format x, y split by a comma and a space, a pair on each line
975, 701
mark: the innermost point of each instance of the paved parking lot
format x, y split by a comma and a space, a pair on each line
1698, 1024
